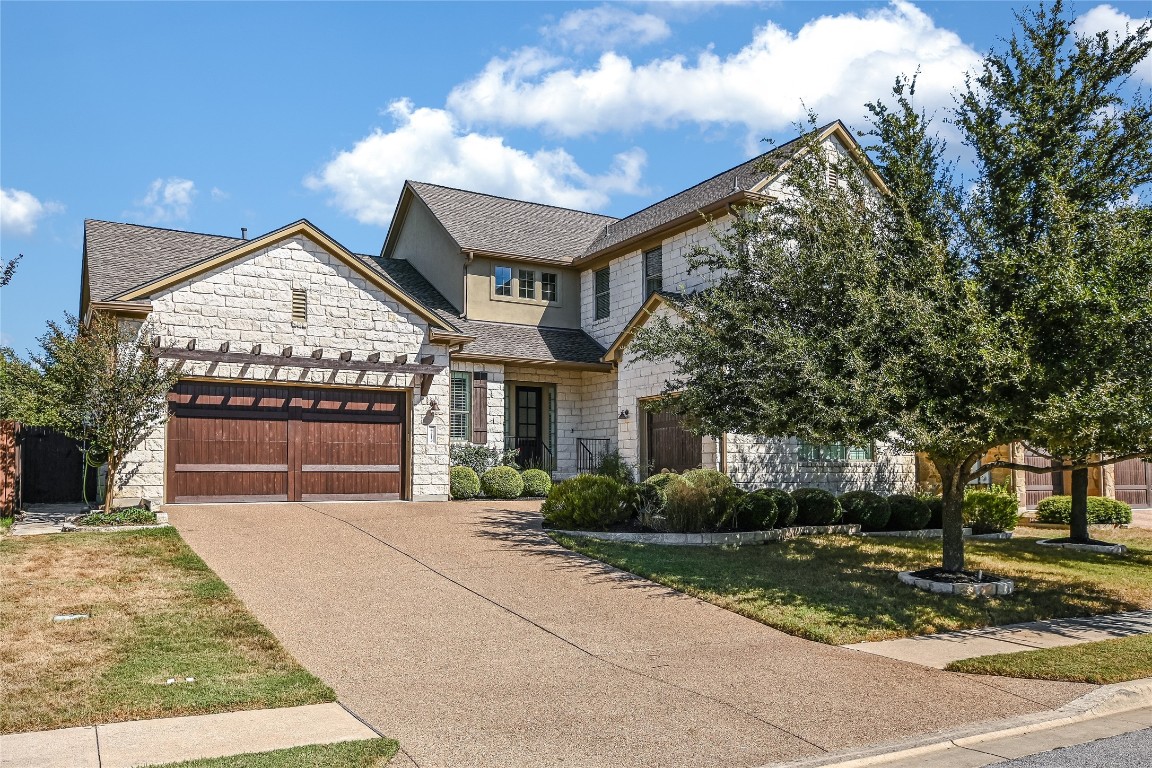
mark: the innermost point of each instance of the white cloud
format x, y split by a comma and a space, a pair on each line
167, 200
606, 27
1105, 18
833, 64
429, 145
219, 194
21, 211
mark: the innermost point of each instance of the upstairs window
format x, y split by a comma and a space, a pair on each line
653, 271
503, 281
527, 284
460, 412
603, 293
835, 452
299, 306
548, 286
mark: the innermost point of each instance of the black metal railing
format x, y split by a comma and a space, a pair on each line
531, 453
589, 452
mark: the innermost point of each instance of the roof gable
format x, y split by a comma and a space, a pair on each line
647, 309
500, 226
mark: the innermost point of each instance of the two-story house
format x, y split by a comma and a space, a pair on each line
310, 372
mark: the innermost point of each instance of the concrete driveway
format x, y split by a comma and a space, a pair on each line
463, 631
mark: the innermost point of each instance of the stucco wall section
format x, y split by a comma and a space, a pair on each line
249, 302
424, 243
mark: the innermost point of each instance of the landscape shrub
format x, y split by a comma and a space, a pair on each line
537, 482
480, 458
611, 465
644, 502
502, 483
584, 503
124, 516
732, 509
990, 511
910, 513
689, 508
815, 506
935, 509
1057, 510
464, 483
868, 509
786, 509
662, 479
760, 510
708, 478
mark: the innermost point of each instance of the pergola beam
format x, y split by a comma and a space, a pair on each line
287, 360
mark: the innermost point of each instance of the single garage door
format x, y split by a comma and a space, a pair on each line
247, 443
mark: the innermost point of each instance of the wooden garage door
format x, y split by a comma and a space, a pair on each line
1134, 482
670, 446
1041, 486
245, 443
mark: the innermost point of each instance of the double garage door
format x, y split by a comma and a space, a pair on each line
246, 443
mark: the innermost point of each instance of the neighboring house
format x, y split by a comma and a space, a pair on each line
483, 320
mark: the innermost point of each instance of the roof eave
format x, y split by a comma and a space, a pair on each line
511, 360
615, 352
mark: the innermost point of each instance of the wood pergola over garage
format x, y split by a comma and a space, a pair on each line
236, 442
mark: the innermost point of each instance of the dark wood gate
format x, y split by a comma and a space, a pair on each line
253, 444
670, 446
52, 468
1041, 485
1134, 483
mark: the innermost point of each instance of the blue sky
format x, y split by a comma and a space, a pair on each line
214, 116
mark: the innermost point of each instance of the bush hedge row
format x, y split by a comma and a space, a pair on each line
1057, 510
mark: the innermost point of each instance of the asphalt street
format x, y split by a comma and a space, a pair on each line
1128, 750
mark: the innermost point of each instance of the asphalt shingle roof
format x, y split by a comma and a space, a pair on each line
124, 256
482, 222
741, 178
501, 339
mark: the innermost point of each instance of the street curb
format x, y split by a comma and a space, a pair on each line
1104, 701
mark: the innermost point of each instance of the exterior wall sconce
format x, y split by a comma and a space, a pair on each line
433, 406
624, 414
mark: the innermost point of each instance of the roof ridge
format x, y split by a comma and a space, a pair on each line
510, 199
160, 229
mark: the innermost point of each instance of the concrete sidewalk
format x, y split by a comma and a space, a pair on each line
938, 651
173, 739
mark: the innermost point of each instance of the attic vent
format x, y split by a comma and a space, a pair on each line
299, 306
833, 177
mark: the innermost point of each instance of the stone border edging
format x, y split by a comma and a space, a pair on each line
713, 539
998, 536
1106, 700
70, 527
1110, 549
987, 589
923, 533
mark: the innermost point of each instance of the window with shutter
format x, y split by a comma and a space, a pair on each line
653, 271
603, 293
460, 411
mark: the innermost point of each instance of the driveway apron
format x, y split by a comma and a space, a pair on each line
466, 633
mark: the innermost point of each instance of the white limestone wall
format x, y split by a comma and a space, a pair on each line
761, 462
249, 302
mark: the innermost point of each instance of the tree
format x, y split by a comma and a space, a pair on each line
1061, 155
9, 269
97, 382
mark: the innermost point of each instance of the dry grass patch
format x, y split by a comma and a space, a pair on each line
157, 612
840, 589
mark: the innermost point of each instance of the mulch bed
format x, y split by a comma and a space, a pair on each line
1070, 540
956, 577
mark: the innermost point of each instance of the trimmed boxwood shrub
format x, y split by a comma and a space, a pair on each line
502, 483
760, 510
990, 511
584, 503
711, 479
869, 509
786, 509
815, 506
935, 509
537, 482
464, 483
1057, 510
910, 513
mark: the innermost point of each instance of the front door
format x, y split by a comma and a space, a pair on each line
528, 425
670, 446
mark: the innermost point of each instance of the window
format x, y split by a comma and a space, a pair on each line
835, 452
603, 293
299, 306
653, 271
460, 412
548, 286
503, 281
527, 284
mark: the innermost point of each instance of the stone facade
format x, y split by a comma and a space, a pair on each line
249, 301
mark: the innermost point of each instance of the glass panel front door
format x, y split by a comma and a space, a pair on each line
528, 433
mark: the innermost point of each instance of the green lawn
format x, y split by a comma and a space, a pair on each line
371, 753
157, 613
1104, 662
841, 589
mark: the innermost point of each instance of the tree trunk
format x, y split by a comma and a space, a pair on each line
952, 490
1079, 522
110, 483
